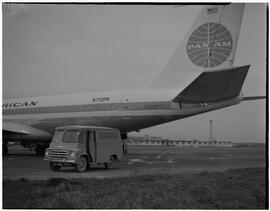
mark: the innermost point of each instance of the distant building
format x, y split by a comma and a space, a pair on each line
158, 141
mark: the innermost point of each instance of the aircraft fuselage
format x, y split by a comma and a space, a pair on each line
127, 114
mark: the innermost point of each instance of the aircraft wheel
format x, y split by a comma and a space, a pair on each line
82, 164
5, 149
32, 147
40, 149
54, 166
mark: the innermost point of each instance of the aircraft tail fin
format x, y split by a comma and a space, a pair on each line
212, 86
209, 44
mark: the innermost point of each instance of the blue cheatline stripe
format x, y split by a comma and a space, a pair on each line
90, 108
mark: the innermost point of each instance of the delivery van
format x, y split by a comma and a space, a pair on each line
83, 146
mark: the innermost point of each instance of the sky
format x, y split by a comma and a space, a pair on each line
68, 49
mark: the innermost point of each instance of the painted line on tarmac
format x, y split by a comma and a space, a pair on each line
137, 160
131, 161
163, 153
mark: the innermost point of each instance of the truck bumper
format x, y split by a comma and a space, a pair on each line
63, 161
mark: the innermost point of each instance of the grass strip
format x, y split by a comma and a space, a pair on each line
233, 189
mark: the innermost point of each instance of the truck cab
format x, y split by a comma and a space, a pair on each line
83, 146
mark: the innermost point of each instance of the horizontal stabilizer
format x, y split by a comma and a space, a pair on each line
254, 98
214, 86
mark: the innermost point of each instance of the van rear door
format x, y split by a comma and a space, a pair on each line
91, 145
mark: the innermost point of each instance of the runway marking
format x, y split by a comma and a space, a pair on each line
214, 158
163, 153
138, 160
131, 161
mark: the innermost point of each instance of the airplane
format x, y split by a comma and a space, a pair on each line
199, 77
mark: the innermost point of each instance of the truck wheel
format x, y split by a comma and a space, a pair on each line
54, 167
109, 164
82, 165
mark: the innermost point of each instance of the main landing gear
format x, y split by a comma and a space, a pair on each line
4, 149
39, 148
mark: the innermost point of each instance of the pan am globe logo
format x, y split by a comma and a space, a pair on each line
209, 45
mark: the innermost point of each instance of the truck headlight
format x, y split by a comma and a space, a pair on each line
72, 155
47, 153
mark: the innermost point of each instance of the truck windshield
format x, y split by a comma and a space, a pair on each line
67, 136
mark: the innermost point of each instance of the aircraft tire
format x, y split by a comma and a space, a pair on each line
82, 164
40, 149
54, 167
5, 150
31, 147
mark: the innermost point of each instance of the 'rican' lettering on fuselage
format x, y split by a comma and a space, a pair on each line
19, 104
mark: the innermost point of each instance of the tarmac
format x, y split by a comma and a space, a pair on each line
140, 160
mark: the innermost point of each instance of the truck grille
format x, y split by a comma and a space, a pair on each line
58, 154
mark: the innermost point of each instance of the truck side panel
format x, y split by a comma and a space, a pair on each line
108, 143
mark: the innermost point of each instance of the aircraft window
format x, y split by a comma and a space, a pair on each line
52, 109
78, 108
74, 108
97, 107
101, 108
107, 107
70, 108
85, 108
64, 109
57, 109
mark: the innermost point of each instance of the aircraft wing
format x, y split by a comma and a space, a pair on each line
27, 132
212, 86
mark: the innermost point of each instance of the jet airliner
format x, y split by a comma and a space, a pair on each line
199, 77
